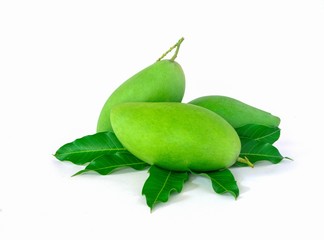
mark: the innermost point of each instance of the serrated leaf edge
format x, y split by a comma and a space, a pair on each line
224, 188
166, 180
170, 191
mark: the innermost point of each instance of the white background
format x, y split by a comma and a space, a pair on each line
59, 62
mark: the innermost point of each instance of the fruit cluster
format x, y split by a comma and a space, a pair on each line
148, 118
145, 124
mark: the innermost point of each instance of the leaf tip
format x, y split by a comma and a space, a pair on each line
236, 196
78, 173
149, 204
288, 158
58, 156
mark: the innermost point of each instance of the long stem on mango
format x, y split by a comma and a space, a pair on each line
177, 46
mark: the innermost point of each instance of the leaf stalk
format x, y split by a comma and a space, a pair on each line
246, 161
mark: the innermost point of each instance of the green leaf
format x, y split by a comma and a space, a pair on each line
259, 133
87, 148
105, 164
223, 181
257, 151
161, 183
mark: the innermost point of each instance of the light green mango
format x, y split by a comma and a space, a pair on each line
163, 81
176, 136
236, 112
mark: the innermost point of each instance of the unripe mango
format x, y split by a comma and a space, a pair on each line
163, 81
176, 136
236, 112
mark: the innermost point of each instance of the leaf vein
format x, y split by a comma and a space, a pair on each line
164, 184
115, 166
93, 151
220, 184
267, 135
260, 155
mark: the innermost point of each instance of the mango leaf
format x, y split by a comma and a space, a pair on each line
257, 151
259, 133
161, 183
105, 164
85, 149
223, 181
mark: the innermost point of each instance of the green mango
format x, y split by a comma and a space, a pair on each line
176, 136
163, 81
236, 112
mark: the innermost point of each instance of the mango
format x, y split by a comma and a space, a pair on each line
176, 136
236, 112
163, 81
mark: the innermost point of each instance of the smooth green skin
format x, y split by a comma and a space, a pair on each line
163, 81
176, 136
236, 112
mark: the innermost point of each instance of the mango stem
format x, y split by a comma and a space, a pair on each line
177, 46
246, 161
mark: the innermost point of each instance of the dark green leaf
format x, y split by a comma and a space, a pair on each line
86, 149
259, 133
161, 183
257, 151
105, 164
223, 181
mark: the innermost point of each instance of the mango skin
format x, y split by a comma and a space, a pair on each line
236, 112
163, 81
176, 136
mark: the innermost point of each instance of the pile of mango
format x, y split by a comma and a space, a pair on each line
147, 115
